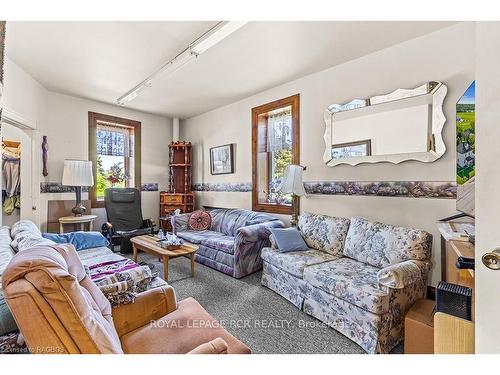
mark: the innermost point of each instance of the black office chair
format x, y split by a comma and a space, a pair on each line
123, 210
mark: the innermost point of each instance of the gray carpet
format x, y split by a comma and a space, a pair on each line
262, 319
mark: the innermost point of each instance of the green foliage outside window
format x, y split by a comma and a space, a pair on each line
113, 177
282, 159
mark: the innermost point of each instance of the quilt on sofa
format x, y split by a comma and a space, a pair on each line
366, 298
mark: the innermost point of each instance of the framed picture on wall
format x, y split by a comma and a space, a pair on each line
222, 159
352, 149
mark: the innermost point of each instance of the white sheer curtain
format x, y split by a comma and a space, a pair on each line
279, 130
114, 140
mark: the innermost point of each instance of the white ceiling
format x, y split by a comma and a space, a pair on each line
103, 60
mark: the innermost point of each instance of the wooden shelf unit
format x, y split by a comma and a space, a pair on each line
180, 195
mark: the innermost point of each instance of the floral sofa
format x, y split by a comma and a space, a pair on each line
359, 277
234, 241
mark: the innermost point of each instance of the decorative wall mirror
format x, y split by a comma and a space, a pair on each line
403, 125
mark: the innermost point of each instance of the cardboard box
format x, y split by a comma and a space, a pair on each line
419, 328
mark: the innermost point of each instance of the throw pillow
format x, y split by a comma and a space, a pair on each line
80, 240
288, 240
199, 220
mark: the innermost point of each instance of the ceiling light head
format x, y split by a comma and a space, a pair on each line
210, 38
219, 32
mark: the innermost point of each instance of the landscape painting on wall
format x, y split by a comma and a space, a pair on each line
466, 150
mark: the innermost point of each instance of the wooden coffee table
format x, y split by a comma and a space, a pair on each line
148, 244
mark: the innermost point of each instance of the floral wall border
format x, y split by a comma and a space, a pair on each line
57, 187
241, 187
408, 189
149, 186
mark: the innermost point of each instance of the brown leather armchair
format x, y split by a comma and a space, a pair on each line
60, 310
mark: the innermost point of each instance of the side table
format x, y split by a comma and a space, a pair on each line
82, 220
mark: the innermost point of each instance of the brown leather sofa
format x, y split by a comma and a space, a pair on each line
60, 310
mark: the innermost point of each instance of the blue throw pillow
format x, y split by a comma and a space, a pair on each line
288, 240
80, 240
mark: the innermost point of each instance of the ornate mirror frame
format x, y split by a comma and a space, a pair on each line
434, 92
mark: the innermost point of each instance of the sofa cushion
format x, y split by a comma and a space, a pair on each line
381, 245
209, 238
222, 243
193, 236
295, 262
288, 240
229, 220
325, 233
351, 281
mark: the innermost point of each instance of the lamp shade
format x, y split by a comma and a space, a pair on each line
292, 181
77, 173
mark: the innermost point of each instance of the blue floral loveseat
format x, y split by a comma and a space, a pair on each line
359, 277
234, 241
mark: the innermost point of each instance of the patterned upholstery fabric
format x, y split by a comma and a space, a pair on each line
234, 242
218, 260
373, 332
403, 274
325, 233
196, 237
381, 244
295, 262
365, 302
285, 284
222, 243
351, 281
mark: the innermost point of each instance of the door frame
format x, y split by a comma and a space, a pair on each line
28, 127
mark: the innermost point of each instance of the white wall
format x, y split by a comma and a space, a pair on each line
64, 119
437, 56
68, 138
25, 99
23, 95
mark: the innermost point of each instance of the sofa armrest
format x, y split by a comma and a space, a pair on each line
180, 222
400, 275
216, 346
256, 232
274, 246
149, 305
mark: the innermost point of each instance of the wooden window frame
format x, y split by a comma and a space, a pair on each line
94, 117
294, 102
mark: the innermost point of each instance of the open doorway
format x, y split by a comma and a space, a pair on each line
11, 177
17, 174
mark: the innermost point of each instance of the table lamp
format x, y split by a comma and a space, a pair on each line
292, 184
78, 173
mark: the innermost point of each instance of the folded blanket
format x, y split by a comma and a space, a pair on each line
122, 287
101, 270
